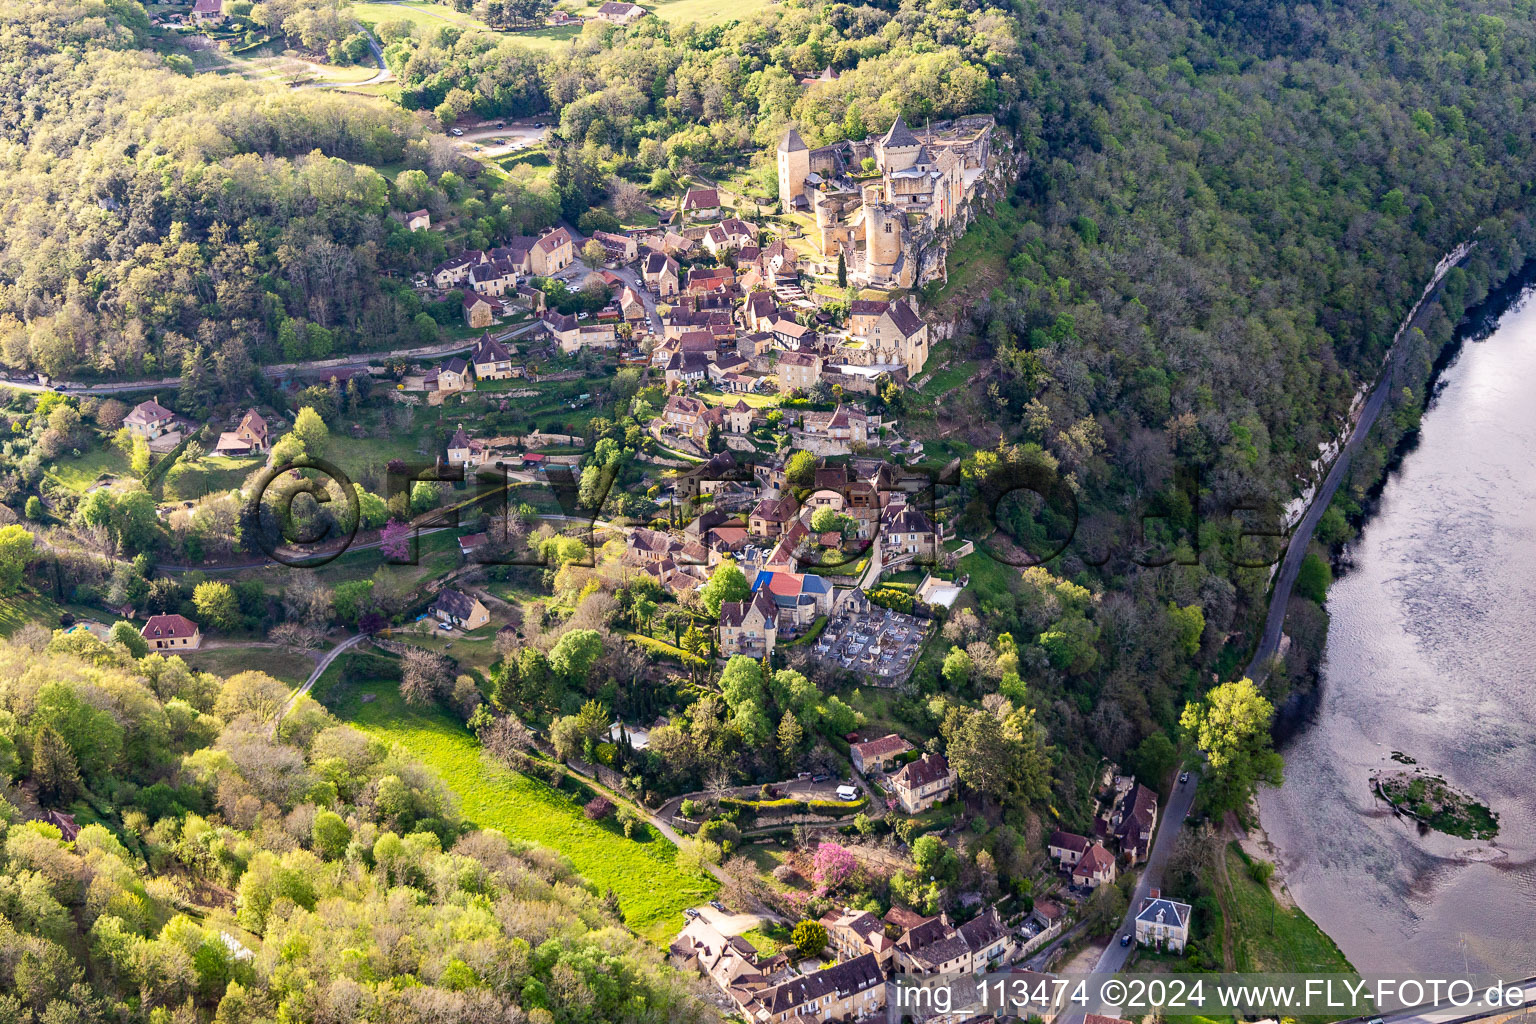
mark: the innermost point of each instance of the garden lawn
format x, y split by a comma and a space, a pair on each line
652, 890
78, 474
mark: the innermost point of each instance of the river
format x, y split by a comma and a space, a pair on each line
1431, 651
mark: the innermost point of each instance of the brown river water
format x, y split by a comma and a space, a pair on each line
1431, 651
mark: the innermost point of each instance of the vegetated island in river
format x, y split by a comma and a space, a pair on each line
1431, 801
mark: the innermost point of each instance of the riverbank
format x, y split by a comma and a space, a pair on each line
1428, 651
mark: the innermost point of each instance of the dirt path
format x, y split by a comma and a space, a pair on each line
1227, 899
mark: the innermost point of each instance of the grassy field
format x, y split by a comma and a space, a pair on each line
284, 665
1269, 937
549, 40
426, 16
652, 890
18, 610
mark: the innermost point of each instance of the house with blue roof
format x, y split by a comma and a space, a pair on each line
799, 597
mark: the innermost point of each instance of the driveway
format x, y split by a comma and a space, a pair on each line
729, 924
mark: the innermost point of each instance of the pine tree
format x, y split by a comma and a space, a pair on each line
842, 271
790, 735
54, 768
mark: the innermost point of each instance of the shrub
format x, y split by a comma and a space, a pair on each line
598, 808
691, 809
809, 937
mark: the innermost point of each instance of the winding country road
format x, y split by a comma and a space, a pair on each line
1301, 536
320, 667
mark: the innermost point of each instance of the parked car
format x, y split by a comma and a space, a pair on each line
690, 913
718, 906
1183, 777
820, 778
582, 315
1125, 940
456, 132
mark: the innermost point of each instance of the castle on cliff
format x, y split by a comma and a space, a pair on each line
888, 205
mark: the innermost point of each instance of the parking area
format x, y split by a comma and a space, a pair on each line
881, 643
726, 922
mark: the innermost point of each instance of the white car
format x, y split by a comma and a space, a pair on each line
456, 132
847, 793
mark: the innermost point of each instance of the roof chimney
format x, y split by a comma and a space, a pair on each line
1155, 893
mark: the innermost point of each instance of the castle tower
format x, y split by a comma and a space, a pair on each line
883, 231
897, 148
794, 165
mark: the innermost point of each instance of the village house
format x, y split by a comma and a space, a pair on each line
905, 530
553, 252
460, 609
1163, 923
249, 438
732, 963
791, 335
466, 451
620, 249
455, 270
491, 359
850, 990
885, 334
1131, 819
877, 755
149, 420
690, 417
922, 783
778, 264
738, 417
855, 933
798, 371
572, 335
702, 204
759, 311
1095, 868
645, 545
208, 12
926, 945
730, 234
171, 632
685, 370
710, 280
771, 515
620, 13
418, 220
493, 278
799, 597
449, 378
843, 426
1067, 848
748, 627
482, 310
660, 273
631, 305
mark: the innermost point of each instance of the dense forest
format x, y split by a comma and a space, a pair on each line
224, 872
1228, 210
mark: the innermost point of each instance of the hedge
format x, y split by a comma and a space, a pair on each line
834, 808
665, 649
